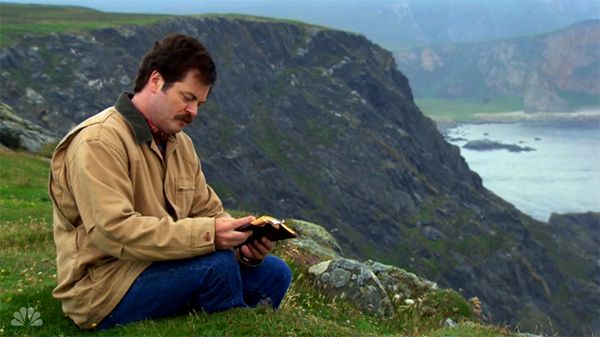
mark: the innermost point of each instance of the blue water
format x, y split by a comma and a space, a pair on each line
561, 175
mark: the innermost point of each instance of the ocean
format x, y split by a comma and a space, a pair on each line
561, 175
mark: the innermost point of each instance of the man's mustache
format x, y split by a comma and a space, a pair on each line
186, 118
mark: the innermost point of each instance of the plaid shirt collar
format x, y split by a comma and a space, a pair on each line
143, 128
159, 136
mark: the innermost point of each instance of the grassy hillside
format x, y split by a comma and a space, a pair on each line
17, 20
27, 277
465, 109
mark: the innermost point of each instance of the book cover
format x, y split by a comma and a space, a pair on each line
269, 227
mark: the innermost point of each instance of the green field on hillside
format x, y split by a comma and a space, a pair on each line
28, 272
466, 110
17, 20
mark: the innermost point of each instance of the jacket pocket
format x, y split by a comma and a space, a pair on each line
185, 189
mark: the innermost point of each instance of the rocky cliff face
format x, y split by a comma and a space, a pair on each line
582, 229
21, 134
318, 124
557, 71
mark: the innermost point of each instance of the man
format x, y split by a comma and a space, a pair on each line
138, 232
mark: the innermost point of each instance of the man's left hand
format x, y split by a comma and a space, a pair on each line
257, 250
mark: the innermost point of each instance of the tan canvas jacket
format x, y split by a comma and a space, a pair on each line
118, 206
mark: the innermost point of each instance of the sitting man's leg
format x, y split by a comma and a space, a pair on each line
213, 282
268, 281
167, 288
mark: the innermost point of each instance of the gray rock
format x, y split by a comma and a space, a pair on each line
18, 133
315, 239
353, 280
589, 219
400, 284
319, 268
432, 233
376, 288
487, 145
450, 323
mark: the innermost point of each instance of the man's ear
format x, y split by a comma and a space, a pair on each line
155, 81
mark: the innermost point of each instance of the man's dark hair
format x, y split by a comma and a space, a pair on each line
173, 57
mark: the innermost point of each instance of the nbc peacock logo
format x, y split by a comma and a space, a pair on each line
26, 317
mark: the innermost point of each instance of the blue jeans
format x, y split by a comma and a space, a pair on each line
210, 283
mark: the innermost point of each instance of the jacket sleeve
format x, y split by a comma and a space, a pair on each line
100, 182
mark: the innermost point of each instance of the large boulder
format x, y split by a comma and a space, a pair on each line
401, 285
354, 281
313, 245
389, 291
375, 288
19, 134
315, 239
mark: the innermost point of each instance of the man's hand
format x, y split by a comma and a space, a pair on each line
225, 234
257, 250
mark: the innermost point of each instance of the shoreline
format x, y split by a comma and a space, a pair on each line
445, 123
523, 170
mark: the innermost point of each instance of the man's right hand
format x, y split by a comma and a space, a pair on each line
226, 236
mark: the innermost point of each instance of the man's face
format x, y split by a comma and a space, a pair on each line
176, 108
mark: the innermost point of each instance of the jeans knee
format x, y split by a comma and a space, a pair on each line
281, 278
221, 262
225, 260
280, 268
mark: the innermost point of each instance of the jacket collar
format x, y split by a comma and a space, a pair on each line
134, 117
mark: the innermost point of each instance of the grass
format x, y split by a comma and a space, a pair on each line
580, 100
28, 275
19, 19
21, 195
466, 110
258, 18
16, 20
472, 330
